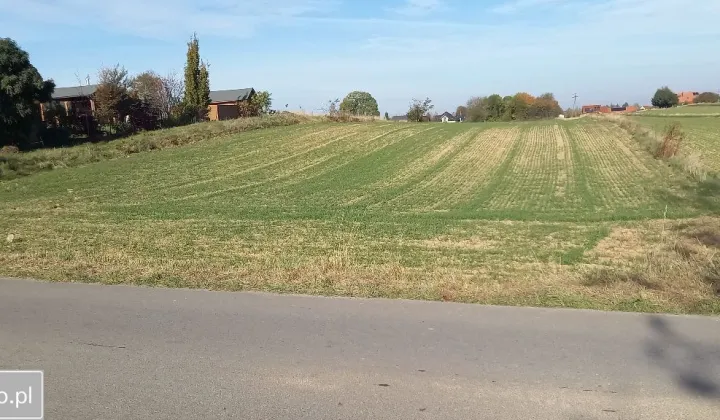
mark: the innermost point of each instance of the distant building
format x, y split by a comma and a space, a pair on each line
596, 109
602, 109
77, 100
687, 97
447, 117
224, 104
402, 118
80, 100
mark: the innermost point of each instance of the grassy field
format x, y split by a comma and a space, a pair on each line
683, 111
702, 136
558, 213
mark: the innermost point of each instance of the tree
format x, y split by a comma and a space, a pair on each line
22, 89
461, 112
149, 88
476, 109
418, 109
519, 106
331, 108
626, 105
495, 107
360, 103
707, 98
111, 96
172, 97
387, 116
262, 101
203, 100
545, 106
192, 71
197, 81
665, 98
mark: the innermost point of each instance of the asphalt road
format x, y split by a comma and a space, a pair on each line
119, 352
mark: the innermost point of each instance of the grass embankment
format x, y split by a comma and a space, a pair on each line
572, 214
13, 165
702, 138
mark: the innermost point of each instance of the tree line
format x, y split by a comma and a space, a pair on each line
123, 103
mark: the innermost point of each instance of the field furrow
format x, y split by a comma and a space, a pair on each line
464, 173
616, 179
539, 175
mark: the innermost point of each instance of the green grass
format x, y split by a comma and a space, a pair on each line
703, 136
13, 165
494, 213
683, 111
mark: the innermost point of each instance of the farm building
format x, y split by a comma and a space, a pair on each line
402, 118
224, 103
591, 109
601, 109
75, 99
687, 97
79, 99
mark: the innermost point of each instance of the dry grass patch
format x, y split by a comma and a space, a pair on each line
675, 262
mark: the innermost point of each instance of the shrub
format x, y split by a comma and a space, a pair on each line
673, 137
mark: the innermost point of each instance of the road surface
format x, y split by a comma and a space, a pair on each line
121, 352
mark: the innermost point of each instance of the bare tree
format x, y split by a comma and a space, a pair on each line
332, 107
160, 94
174, 91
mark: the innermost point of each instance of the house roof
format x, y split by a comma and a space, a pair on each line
231, 95
447, 114
73, 91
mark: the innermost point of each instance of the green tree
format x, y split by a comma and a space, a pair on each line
461, 112
626, 105
707, 98
495, 107
418, 109
197, 82
387, 116
22, 89
262, 101
477, 109
360, 103
664, 98
203, 94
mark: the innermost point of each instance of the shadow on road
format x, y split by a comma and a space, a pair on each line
695, 367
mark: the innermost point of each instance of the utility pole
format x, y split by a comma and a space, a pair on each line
575, 96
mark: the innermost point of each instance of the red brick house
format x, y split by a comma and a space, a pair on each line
687, 97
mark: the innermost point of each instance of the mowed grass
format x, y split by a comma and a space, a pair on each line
557, 213
702, 136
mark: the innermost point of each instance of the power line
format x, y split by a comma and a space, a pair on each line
575, 96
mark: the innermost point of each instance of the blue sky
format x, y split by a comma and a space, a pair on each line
309, 51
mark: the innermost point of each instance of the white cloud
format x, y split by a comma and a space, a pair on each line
416, 8
166, 18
